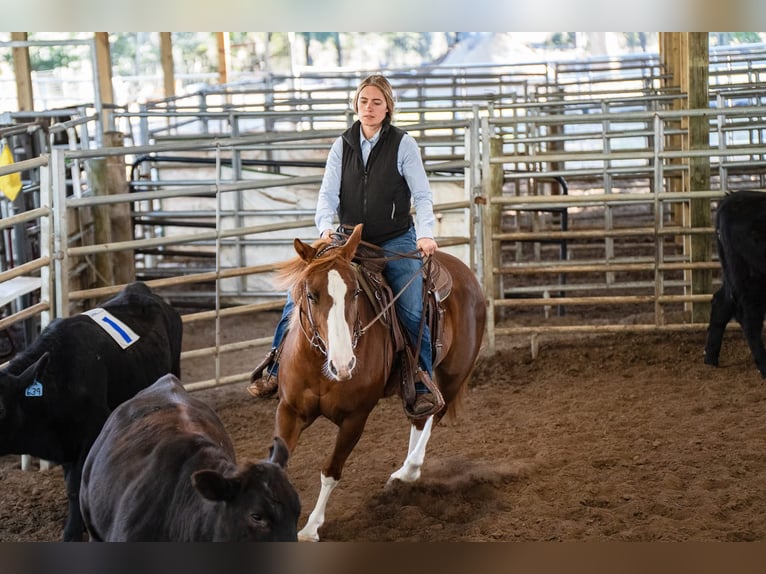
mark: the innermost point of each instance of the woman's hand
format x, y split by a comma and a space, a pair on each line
427, 246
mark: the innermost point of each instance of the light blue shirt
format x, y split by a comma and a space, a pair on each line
408, 163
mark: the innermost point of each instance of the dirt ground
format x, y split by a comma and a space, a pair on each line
604, 438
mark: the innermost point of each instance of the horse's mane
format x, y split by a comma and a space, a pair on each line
295, 271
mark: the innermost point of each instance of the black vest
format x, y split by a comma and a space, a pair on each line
377, 196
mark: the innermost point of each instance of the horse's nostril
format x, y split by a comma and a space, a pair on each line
352, 364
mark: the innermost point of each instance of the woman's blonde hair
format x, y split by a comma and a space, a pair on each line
383, 85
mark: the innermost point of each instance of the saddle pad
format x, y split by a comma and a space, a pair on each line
119, 331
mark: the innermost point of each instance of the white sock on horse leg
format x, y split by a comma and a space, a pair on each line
310, 532
410, 470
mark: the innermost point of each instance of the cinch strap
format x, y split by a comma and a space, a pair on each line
119, 331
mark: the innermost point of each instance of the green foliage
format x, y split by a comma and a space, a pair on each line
729, 38
45, 58
134, 53
562, 40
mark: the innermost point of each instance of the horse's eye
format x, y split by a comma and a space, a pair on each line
312, 296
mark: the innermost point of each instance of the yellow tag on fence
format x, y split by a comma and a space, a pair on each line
10, 184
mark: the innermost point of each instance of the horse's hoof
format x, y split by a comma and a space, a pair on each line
303, 537
402, 476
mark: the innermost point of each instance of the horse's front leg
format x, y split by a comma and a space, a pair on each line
416, 454
349, 432
288, 424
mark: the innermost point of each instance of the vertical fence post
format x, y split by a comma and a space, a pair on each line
699, 171
496, 179
473, 183
46, 244
60, 233
488, 276
120, 219
102, 223
659, 247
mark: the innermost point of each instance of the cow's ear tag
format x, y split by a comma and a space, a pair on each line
34, 390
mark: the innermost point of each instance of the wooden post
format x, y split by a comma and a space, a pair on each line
23, 72
496, 178
166, 57
102, 229
120, 219
685, 57
104, 67
699, 169
487, 272
223, 57
112, 223
671, 56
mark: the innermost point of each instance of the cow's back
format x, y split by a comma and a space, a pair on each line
137, 480
158, 350
741, 238
85, 375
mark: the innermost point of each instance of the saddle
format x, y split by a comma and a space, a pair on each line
369, 270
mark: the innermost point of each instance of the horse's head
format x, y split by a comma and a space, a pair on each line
326, 290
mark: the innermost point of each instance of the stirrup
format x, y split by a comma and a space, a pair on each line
434, 397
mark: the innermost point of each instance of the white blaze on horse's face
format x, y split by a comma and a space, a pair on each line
340, 349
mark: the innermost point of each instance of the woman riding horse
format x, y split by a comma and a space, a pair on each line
373, 173
338, 359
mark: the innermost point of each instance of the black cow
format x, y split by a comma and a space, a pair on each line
164, 469
741, 239
56, 395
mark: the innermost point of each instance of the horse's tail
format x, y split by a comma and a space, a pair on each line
455, 404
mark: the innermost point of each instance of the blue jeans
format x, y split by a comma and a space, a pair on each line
281, 329
409, 306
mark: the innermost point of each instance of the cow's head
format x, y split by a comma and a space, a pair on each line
257, 504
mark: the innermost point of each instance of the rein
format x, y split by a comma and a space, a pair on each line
315, 339
393, 301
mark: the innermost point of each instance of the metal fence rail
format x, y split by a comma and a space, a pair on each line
216, 199
223, 188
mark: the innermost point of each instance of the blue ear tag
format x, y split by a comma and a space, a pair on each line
34, 390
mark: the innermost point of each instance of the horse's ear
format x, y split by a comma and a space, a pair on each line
304, 250
349, 249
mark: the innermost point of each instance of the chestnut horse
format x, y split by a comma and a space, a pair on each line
337, 360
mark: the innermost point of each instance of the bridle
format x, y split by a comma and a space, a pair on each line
315, 339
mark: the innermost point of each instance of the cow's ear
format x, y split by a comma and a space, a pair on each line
41, 363
212, 485
34, 371
278, 452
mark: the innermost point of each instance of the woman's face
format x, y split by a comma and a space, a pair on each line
371, 108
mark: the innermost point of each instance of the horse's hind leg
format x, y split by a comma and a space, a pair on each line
416, 454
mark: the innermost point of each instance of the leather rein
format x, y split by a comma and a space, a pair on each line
315, 339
